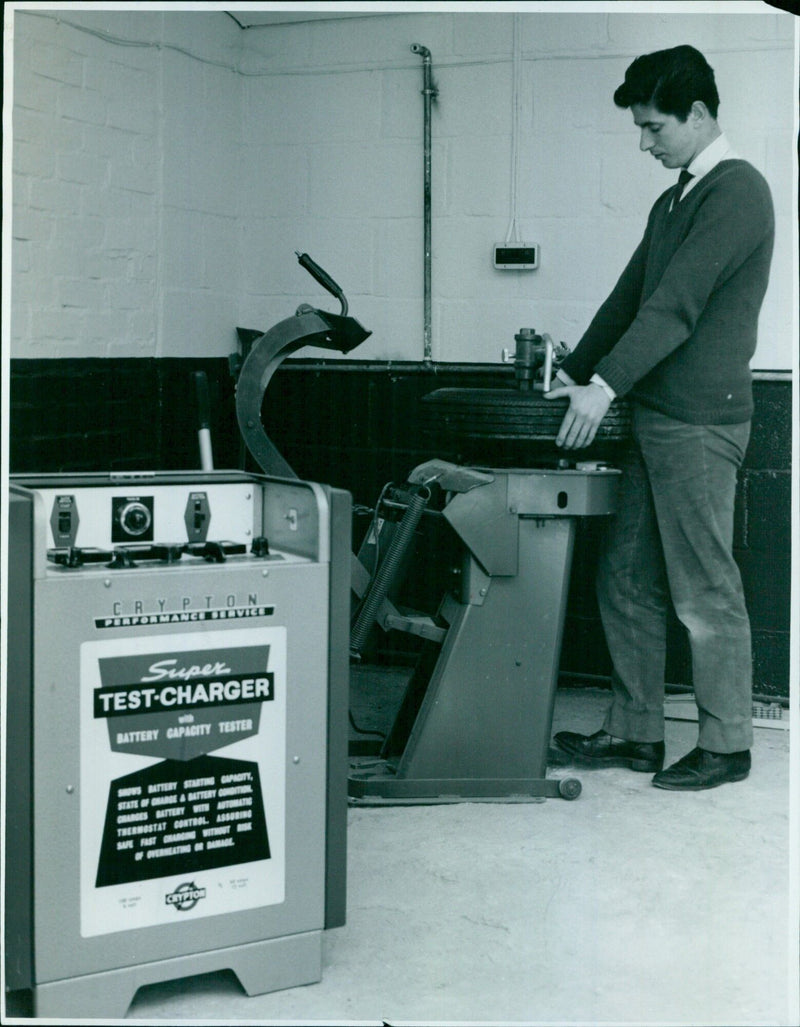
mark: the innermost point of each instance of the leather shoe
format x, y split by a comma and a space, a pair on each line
701, 769
603, 750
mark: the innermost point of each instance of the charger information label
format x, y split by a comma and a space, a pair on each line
172, 827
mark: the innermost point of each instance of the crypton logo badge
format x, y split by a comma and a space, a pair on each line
185, 897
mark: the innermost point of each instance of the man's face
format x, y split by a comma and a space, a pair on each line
668, 139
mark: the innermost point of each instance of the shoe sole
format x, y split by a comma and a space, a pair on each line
699, 788
598, 762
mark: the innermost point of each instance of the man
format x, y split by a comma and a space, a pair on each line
675, 337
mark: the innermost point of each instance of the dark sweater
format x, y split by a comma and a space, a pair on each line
679, 329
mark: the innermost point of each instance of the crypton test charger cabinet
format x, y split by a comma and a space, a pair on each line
176, 773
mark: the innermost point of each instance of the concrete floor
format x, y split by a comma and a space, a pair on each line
630, 905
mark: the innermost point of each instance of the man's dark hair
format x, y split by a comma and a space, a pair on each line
670, 81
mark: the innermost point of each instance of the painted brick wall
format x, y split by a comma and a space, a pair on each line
167, 165
125, 145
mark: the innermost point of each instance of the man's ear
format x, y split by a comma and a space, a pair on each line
698, 112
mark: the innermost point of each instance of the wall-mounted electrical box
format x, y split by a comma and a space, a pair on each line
515, 256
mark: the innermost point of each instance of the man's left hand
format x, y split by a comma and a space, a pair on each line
588, 405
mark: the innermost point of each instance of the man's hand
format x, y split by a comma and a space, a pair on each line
588, 405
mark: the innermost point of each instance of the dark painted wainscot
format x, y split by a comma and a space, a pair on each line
357, 425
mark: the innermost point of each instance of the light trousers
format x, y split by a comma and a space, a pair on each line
670, 541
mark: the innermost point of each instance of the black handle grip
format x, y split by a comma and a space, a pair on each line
319, 274
203, 405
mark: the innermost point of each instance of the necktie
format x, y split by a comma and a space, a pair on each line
683, 178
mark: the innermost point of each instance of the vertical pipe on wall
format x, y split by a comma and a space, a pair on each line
429, 93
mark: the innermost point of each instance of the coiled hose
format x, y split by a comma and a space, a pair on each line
385, 575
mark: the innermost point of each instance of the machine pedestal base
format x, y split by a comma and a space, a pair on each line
475, 720
261, 967
378, 786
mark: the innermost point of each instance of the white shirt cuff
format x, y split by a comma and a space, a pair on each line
603, 385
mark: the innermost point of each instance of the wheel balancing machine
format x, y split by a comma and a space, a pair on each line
476, 717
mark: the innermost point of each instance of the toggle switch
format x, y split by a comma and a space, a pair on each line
197, 516
64, 521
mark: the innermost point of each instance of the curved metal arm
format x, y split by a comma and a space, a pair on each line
309, 327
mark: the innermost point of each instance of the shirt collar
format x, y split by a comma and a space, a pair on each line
717, 150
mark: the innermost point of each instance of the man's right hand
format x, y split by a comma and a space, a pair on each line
588, 405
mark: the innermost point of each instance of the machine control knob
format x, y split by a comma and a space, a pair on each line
135, 518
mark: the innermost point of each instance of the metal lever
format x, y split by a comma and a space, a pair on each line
547, 374
324, 279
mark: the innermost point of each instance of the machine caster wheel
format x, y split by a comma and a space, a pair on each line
569, 788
